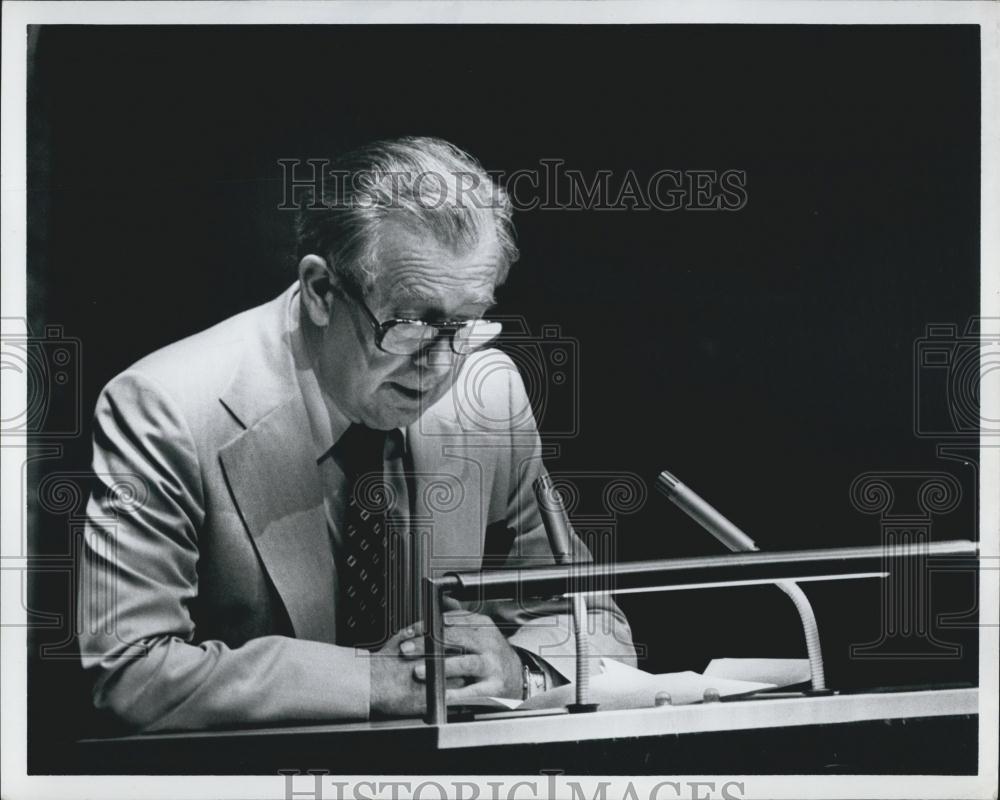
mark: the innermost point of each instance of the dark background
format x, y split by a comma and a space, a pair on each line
765, 356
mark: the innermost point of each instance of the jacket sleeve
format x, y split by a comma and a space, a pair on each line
138, 577
545, 628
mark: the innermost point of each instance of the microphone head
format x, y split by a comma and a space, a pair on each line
545, 493
553, 513
542, 483
666, 484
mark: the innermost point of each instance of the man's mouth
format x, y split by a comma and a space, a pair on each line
411, 394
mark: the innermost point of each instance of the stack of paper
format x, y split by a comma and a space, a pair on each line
779, 671
619, 686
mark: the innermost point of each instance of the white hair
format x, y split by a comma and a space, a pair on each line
420, 180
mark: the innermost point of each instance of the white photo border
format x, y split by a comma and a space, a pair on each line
18, 14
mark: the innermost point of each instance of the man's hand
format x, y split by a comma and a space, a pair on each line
394, 692
483, 660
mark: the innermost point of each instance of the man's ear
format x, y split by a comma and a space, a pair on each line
316, 288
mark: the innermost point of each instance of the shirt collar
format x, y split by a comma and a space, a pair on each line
327, 421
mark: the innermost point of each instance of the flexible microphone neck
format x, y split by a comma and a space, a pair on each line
557, 527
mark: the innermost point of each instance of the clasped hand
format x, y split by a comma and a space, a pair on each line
479, 662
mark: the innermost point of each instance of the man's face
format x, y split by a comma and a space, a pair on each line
420, 279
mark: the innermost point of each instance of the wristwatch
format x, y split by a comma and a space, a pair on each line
533, 679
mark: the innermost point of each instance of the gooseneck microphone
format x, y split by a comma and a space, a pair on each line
737, 541
550, 506
705, 515
557, 528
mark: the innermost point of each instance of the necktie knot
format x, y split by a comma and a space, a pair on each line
361, 449
360, 452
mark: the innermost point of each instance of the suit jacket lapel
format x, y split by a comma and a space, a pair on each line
275, 482
280, 498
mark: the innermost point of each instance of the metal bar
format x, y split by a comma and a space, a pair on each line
548, 581
847, 576
415, 576
437, 709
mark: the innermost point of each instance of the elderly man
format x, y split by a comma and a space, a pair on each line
269, 492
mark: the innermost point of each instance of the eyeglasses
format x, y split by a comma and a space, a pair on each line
405, 337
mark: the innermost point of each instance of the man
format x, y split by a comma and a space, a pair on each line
240, 563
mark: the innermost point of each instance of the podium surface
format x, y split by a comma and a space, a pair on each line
902, 732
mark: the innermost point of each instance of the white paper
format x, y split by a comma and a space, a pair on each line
491, 703
779, 671
620, 686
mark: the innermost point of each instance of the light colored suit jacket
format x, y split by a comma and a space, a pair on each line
207, 588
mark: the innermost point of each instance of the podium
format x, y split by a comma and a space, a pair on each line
917, 730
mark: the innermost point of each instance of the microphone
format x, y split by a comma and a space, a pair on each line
705, 515
554, 519
557, 528
737, 541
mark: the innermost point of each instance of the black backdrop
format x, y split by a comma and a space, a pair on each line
764, 355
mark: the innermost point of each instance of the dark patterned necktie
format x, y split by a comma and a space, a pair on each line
363, 560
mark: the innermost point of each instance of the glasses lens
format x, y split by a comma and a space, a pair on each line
477, 333
406, 338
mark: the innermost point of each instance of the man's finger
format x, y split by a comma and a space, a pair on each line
412, 648
468, 666
449, 603
412, 631
471, 639
465, 618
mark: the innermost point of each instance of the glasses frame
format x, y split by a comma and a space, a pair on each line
381, 328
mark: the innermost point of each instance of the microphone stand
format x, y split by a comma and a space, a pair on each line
668, 574
557, 528
737, 541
